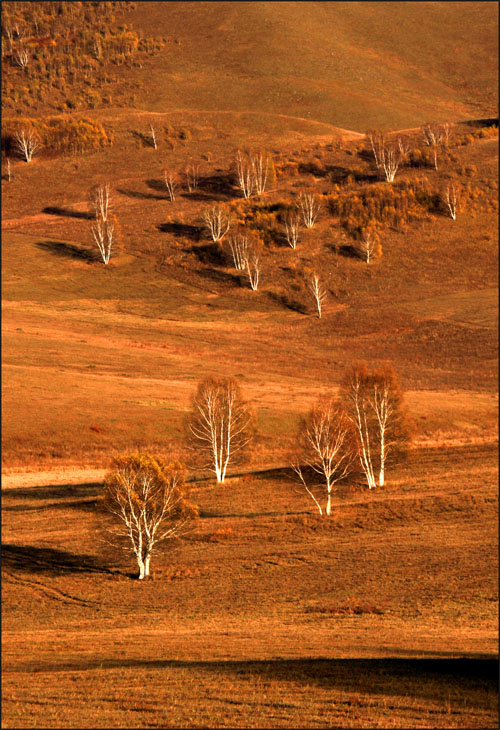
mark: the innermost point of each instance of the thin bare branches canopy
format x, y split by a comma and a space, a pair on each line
219, 427
374, 403
327, 452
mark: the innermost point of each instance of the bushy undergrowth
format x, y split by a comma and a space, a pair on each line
61, 53
61, 135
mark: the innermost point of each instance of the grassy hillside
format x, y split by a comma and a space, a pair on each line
353, 65
265, 614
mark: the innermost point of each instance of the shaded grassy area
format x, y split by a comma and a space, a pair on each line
265, 614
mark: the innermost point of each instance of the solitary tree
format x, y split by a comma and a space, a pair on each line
240, 247
192, 176
292, 227
252, 170
450, 198
219, 425
244, 174
147, 499
170, 178
26, 143
374, 404
100, 199
317, 291
103, 232
368, 244
217, 221
326, 449
253, 268
387, 154
309, 205
152, 132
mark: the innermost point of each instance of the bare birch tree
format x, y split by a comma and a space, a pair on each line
244, 174
192, 176
103, 232
326, 448
309, 205
377, 141
152, 132
147, 501
292, 227
317, 291
22, 57
436, 134
368, 245
387, 154
450, 198
374, 404
219, 426
170, 179
100, 199
253, 268
260, 163
26, 143
218, 222
239, 246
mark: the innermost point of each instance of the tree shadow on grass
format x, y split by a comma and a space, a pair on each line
181, 230
145, 139
209, 253
68, 250
68, 213
432, 677
215, 187
141, 196
221, 277
36, 560
289, 302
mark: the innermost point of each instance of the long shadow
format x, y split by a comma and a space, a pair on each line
84, 505
68, 213
492, 121
141, 196
289, 302
219, 187
53, 491
209, 253
221, 277
68, 250
156, 184
145, 139
429, 678
36, 560
181, 230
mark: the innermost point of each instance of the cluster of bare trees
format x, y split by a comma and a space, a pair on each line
217, 220
388, 153
245, 252
361, 431
252, 171
357, 432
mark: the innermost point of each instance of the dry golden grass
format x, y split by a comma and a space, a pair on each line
265, 615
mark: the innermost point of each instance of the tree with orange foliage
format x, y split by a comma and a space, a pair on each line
147, 498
